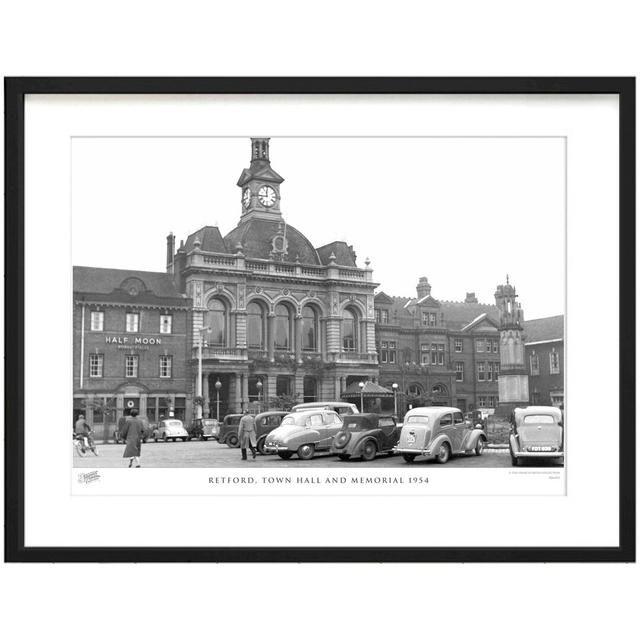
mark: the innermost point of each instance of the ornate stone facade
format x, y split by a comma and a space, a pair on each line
279, 319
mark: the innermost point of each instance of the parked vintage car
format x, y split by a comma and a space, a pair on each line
203, 428
228, 430
341, 408
536, 432
170, 429
304, 433
365, 435
266, 422
438, 432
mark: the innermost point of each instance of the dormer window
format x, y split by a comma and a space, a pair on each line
428, 319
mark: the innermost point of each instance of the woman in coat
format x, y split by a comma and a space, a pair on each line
132, 433
247, 434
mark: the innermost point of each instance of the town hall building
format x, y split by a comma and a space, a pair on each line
277, 317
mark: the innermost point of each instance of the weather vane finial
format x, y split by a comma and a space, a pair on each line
507, 278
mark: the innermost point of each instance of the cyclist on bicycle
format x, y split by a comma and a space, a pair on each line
83, 433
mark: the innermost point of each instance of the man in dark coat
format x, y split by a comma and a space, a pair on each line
247, 434
132, 433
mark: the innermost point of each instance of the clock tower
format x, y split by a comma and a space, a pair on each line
260, 185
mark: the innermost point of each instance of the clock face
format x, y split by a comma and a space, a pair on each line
246, 197
267, 196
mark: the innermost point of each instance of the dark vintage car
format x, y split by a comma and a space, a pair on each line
228, 430
203, 428
438, 433
266, 422
536, 434
365, 435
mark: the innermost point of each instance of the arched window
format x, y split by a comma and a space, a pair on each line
255, 325
439, 389
349, 331
217, 322
309, 329
283, 327
415, 390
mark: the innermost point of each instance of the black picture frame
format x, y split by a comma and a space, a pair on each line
15, 91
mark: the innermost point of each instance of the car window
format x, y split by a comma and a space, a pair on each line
289, 420
350, 424
445, 420
173, 423
386, 422
314, 420
457, 418
337, 419
539, 419
344, 410
417, 420
328, 417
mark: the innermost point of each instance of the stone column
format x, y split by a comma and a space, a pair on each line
362, 337
269, 389
143, 404
271, 335
297, 338
238, 392
337, 385
244, 402
298, 389
206, 407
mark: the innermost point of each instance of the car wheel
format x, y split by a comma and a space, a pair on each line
260, 445
479, 447
369, 450
233, 441
285, 455
164, 437
155, 438
514, 461
409, 457
444, 453
185, 439
344, 456
306, 451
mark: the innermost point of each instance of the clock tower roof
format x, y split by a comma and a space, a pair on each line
260, 167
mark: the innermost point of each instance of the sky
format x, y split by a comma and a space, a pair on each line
464, 212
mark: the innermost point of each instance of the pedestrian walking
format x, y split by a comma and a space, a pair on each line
132, 433
247, 434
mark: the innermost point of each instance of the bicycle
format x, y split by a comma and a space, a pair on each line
84, 444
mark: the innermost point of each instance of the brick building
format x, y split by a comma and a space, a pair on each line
544, 349
277, 316
130, 336
438, 352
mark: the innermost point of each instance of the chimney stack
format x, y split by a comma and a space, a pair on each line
171, 251
423, 288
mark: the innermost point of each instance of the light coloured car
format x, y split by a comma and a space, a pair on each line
341, 408
536, 433
438, 433
304, 433
170, 429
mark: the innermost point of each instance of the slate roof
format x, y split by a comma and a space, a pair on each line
541, 329
210, 240
345, 255
256, 236
101, 283
456, 314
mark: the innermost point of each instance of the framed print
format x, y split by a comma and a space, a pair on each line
320, 319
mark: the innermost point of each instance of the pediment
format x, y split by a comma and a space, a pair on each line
428, 301
482, 323
383, 298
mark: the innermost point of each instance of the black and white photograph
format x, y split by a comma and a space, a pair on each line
316, 302
329, 300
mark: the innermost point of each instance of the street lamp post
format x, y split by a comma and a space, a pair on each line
361, 385
218, 386
394, 386
202, 331
259, 387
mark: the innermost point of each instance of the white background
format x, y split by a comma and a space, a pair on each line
490, 38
